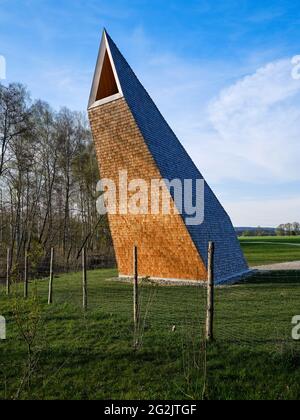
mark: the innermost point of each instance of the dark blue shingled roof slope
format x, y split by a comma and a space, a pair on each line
175, 163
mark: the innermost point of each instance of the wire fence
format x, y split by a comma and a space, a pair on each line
255, 312
258, 311
252, 317
39, 264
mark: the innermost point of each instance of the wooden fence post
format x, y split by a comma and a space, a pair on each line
50, 294
8, 272
84, 279
135, 289
26, 276
210, 293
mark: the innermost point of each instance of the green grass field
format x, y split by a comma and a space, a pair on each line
270, 250
91, 356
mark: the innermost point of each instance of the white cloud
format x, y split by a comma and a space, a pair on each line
256, 125
64, 84
249, 131
248, 134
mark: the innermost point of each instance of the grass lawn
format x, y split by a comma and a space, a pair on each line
91, 356
270, 250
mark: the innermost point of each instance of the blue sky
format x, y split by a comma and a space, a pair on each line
220, 71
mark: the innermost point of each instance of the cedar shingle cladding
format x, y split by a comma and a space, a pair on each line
174, 162
149, 148
166, 249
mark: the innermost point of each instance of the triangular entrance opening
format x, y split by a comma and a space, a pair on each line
108, 85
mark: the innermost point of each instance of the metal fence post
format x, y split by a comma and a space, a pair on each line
26, 276
8, 272
84, 280
135, 289
50, 295
210, 293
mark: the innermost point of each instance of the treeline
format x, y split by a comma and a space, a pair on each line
259, 231
48, 177
288, 229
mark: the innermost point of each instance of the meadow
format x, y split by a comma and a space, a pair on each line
271, 250
61, 352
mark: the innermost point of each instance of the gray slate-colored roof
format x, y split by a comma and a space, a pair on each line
174, 163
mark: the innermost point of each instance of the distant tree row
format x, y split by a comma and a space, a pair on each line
257, 232
288, 229
48, 177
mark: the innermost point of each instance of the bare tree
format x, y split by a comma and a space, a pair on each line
14, 115
48, 183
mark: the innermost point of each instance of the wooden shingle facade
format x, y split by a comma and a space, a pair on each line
131, 135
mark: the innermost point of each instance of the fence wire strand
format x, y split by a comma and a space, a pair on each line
250, 312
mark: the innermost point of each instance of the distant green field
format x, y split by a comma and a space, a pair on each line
91, 356
271, 250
